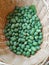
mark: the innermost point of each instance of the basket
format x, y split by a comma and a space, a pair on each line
9, 58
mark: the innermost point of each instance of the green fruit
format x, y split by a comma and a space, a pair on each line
14, 47
27, 46
34, 43
15, 43
36, 37
37, 47
8, 43
11, 48
22, 46
28, 54
29, 50
32, 53
12, 26
33, 8
18, 48
24, 31
14, 51
18, 53
24, 53
13, 20
33, 48
25, 49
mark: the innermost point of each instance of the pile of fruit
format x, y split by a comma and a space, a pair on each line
24, 31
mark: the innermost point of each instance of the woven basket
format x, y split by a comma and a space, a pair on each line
9, 58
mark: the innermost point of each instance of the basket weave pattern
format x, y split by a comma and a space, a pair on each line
6, 55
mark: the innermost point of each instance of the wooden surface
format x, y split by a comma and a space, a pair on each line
6, 6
